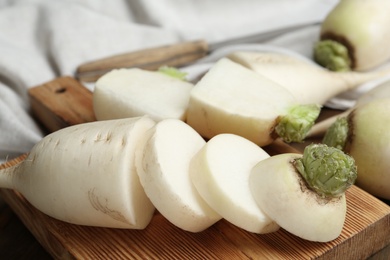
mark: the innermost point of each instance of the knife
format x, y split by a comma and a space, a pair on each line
175, 55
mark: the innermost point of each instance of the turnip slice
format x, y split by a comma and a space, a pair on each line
134, 92
85, 174
365, 135
308, 82
163, 165
233, 99
304, 194
220, 172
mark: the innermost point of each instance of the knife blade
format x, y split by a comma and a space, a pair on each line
175, 55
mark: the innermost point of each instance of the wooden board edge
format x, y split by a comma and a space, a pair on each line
60, 103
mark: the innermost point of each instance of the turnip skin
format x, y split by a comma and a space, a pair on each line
85, 174
163, 165
368, 142
135, 92
362, 27
233, 99
309, 83
220, 172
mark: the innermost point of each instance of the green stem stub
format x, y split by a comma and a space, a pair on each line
294, 126
337, 133
173, 72
332, 55
327, 170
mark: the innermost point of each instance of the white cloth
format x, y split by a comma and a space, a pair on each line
44, 39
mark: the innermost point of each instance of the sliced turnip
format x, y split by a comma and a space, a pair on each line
365, 135
233, 99
134, 92
85, 174
220, 172
304, 194
163, 165
308, 82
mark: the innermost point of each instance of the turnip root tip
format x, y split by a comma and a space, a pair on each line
327, 170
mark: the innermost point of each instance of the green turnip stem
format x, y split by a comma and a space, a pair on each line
294, 126
173, 72
326, 170
336, 135
332, 55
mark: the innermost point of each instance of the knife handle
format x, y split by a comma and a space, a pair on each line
149, 59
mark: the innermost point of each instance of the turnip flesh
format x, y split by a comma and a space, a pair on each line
368, 142
359, 29
220, 172
309, 83
134, 92
85, 174
286, 197
233, 99
163, 165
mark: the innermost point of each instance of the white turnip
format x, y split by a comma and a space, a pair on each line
308, 82
304, 194
365, 135
134, 92
85, 174
233, 99
220, 172
163, 165
355, 36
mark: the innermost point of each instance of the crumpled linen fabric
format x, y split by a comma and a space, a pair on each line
44, 39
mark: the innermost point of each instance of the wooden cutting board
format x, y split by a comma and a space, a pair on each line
65, 101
